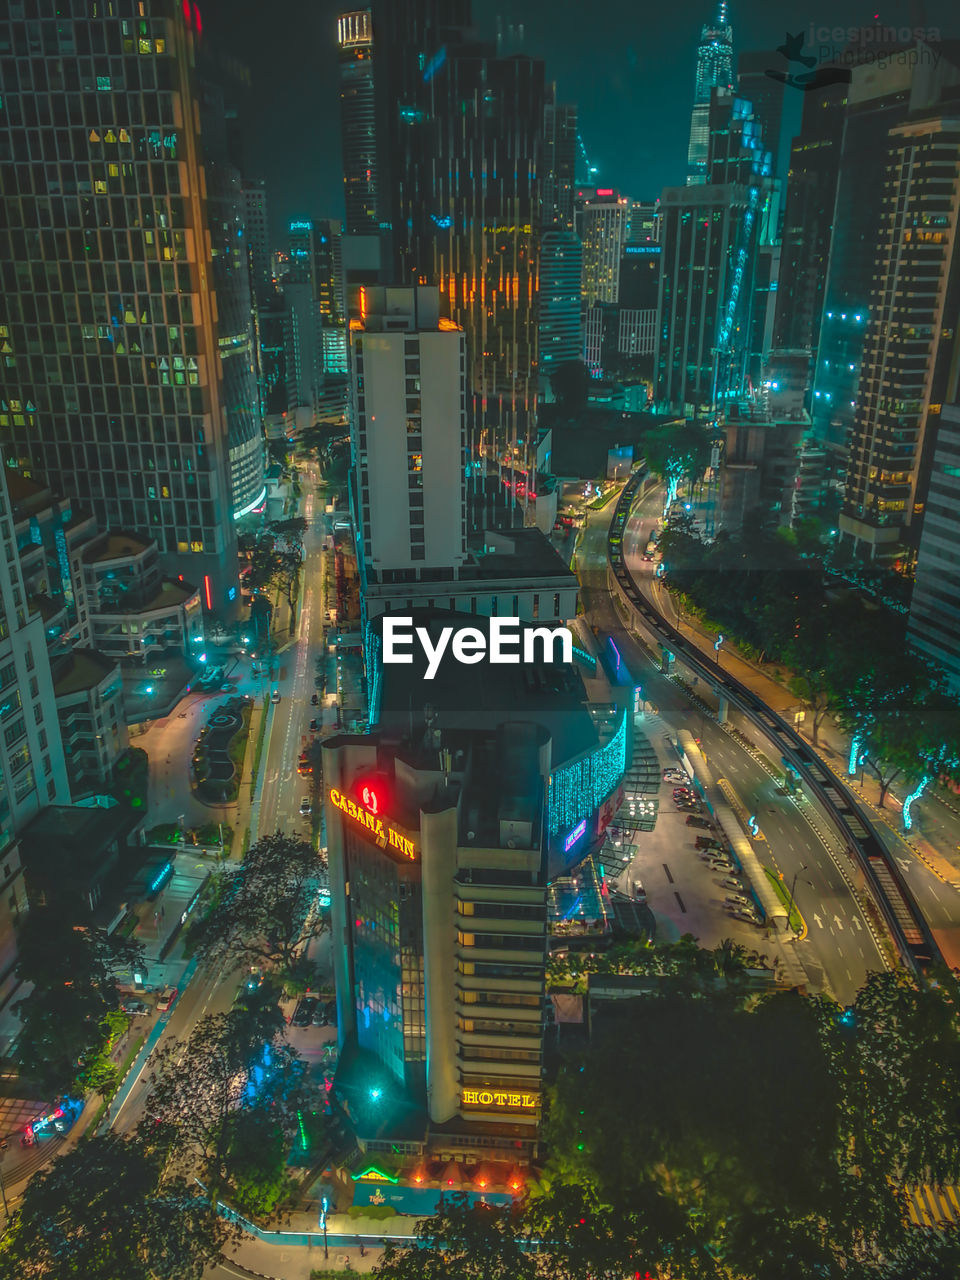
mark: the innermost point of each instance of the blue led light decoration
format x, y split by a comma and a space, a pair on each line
935, 763
577, 789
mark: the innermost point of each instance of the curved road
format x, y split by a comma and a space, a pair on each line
839, 951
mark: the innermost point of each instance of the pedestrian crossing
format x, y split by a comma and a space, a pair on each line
933, 1206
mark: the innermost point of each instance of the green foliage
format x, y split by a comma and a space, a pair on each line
261, 911
106, 1210
678, 450
462, 1242
682, 961
376, 1212
70, 1016
256, 1161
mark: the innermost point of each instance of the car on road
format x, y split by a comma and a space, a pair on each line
314, 726
731, 882
135, 1008
314, 700
304, 765
639, 892
166, 999
303, 1014
275, 696
306, 808
694, 821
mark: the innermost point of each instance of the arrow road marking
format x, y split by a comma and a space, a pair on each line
904, 864
838, 922
856, 921
817, 921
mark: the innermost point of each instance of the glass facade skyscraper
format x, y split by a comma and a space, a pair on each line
117, 382
714, 71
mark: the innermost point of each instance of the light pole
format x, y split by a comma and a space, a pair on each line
324, 1205
792, 902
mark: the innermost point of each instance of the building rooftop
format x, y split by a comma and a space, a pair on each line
81, 669
115, 546
516, 553
74, 835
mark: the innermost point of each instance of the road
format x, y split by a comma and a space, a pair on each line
933, 882
840, 950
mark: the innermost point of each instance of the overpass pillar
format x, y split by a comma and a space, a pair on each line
722, 708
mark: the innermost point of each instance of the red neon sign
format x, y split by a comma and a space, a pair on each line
206, 588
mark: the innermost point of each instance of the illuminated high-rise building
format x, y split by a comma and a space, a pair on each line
559, 161
355, 39
117, 345
603, 217
714, 71
910, 365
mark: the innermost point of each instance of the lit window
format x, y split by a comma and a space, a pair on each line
100, 188
103, 83
145, 46
196, 546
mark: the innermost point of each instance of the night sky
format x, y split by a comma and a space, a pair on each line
628, 64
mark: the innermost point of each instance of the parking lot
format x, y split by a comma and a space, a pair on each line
685, 887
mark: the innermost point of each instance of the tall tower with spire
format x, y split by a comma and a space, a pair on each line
714, 71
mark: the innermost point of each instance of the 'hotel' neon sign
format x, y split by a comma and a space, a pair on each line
388, 836
496, 1098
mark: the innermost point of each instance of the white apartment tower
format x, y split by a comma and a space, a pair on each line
409, 436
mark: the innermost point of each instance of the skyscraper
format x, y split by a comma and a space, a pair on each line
910, 366
409, 435
559, 161
709, 237
113, 384
256, 228
765, 95
935, 608
603, 218
714, 71
561, 267
355, 37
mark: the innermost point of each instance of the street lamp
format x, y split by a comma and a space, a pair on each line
792, 902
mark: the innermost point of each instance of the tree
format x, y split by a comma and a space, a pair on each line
678, 453
463, 1242
105, 1210
232, 1078
264, 911
66, 1018
811, 654
570, 384
901, 1121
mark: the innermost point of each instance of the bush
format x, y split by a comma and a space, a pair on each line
375, 1211
164, 833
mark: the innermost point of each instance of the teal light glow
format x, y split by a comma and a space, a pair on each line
577, 789
911, 799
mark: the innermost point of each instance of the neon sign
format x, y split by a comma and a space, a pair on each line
496, 1098
574, 835
388, 837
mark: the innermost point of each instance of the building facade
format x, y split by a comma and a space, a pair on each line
358, 121
113, 382
603, 219
909, 367
409, 436
714, 71
935, 608
561, 268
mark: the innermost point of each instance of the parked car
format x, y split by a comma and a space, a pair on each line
737, 900
275, 696
331, 1012
306, 808
731, 882
166, 999
675, 775
314, 726
694, 821
319, 1018
639, 892
707, 842
303, 1014
136, 1008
